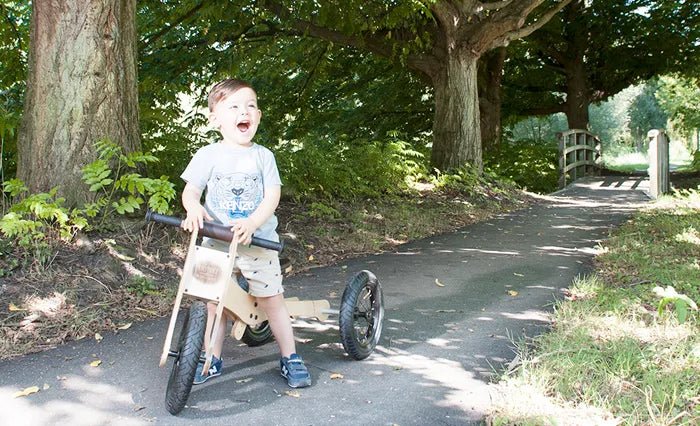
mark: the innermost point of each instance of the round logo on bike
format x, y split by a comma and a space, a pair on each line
207, 272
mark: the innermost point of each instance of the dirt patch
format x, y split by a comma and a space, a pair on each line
106, 281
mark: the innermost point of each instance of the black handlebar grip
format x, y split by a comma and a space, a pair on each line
213, 230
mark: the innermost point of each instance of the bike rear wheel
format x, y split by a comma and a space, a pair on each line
361, 315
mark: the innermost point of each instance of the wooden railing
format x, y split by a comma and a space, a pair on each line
579, 155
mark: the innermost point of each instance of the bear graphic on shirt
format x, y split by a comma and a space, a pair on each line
236, 195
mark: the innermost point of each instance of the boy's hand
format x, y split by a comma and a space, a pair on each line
243, 229
195, 218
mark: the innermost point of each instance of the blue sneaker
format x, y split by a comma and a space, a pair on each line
294, 370
214, 370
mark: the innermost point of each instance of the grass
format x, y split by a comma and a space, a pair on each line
612, 357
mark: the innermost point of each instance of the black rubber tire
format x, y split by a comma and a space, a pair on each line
188, 351
257, 336
361, 315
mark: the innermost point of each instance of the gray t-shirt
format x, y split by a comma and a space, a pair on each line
235, 178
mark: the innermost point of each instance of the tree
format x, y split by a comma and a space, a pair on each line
81, 88
645, 114
441, 40
14, 37
596, 48
679, 98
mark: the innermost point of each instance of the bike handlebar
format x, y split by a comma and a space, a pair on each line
213, 230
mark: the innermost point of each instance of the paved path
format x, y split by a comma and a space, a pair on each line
439, 348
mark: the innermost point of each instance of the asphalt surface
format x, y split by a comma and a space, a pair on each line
440, 346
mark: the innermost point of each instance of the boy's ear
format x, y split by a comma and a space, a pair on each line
212, 119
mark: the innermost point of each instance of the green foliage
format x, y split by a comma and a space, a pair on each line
142, 286
529, 163
34, 218
645, 114
348, 169
118, 188
681, 302
678, 96
695, 164
536, 73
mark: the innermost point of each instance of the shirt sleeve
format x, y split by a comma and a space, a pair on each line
197, 171
271, 175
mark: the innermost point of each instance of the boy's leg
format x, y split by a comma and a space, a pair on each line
217, 348
278, 318
292, 366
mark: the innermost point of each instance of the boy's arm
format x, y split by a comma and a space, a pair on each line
196, 213
244, 228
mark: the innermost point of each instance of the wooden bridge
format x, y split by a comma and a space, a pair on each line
579, 155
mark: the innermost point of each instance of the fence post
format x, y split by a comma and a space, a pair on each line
659, 174
562, 160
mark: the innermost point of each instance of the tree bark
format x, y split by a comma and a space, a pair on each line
490, 76
456, 140
577, 95
81, 87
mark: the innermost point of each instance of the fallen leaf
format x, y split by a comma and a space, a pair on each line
512, 293
124, 326
293, 394
98, 337
28, 391
438, 283
96, 363
14, 308
518, 275
336, 376
311, 258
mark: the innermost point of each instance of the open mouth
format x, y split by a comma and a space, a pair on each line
243, 126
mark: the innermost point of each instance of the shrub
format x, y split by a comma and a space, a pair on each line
530, 164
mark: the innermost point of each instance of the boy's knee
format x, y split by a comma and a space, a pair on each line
270, 302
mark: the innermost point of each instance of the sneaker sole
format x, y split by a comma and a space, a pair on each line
210, 376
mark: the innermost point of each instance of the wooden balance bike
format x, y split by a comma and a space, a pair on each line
209, 276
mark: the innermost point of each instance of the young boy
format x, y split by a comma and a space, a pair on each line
243, 190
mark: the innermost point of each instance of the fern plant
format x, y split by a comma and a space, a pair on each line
33, 217
119, 188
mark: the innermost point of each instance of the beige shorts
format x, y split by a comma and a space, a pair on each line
259, 266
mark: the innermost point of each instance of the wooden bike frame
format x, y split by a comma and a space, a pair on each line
208, 275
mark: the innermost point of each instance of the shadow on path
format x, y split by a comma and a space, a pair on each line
455, 304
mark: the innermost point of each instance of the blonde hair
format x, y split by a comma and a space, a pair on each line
224, 88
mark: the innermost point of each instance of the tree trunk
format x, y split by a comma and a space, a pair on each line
490, 76
81, 87
577, 97
456, 136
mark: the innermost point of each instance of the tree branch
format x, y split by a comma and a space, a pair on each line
526, 31
494, 5
365, 41
158, 34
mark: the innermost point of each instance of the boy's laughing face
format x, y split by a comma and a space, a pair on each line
237, 116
